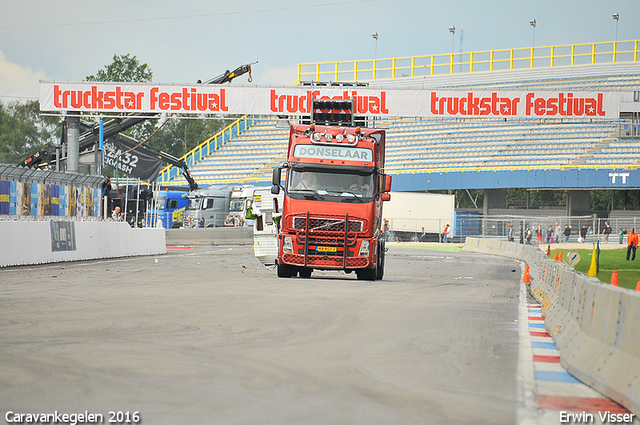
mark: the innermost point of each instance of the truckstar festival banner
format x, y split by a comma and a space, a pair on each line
153, 98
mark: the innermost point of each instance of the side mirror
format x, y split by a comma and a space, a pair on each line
385, 196
275, 178
387, 183
275, 189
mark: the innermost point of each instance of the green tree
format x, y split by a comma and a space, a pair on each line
178, 136
124, 68
23, 131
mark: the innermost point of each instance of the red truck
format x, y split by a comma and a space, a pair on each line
334, 189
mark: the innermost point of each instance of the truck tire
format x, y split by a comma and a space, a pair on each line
285, 270
305, 273
367, 274
381, 255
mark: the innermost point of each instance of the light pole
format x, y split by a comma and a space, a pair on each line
533, 41
533, 24
616, 17
452, 30
375, 37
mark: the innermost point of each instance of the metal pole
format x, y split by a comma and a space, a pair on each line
73, 143
126, 199
137, 202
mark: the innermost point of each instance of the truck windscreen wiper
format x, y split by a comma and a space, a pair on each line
351, 195
309, 193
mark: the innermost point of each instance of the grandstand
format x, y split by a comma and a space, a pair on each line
416, 146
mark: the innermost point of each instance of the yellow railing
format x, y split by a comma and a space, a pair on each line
482, 61
208, 146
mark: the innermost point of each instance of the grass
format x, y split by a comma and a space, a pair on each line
610, 260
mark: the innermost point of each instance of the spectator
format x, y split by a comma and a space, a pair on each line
550, 234
606, 232
528, 235
385, 229
228, 222
423, 236
201, 221
623, 232
632, 244
509, 233
567, 233
539, 233
583, 234
557, 233
445, 234
116, 215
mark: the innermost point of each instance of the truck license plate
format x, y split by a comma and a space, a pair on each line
327, 249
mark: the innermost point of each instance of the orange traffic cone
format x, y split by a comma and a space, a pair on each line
548, 250
560, 256
614, 278
526, 278
556, 257
638, 286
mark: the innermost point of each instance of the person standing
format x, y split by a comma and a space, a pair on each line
632, 244
567, 233
583, 234
539, 231
623, 232
606, 232
528, 235
510, 233
445, 234
387, 232
201, 221
557, 233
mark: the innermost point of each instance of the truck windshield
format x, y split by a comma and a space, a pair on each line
330, 184
194, 203
237, 205
160, 202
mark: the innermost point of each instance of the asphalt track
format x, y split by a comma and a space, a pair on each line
207, 336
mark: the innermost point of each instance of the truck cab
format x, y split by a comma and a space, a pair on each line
212, 203
334, 189
168, 206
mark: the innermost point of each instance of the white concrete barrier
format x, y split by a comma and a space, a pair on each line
40, 242
596, 327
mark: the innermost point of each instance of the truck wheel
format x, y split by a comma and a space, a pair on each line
305, 273
285, 270
381, 254
367, 274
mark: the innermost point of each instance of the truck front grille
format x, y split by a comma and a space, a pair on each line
327, 224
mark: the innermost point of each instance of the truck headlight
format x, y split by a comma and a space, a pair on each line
287, 245
364, 249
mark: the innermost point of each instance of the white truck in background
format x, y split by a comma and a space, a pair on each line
241, 198
409, 212
266, 210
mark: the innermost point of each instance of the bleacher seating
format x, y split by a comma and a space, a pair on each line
244, 155
432, 144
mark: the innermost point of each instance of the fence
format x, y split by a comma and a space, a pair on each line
34, 194
497, 227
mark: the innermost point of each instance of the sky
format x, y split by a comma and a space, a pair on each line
190, 40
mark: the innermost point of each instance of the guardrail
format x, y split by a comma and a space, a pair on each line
205, 148
595, 326
480, 61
